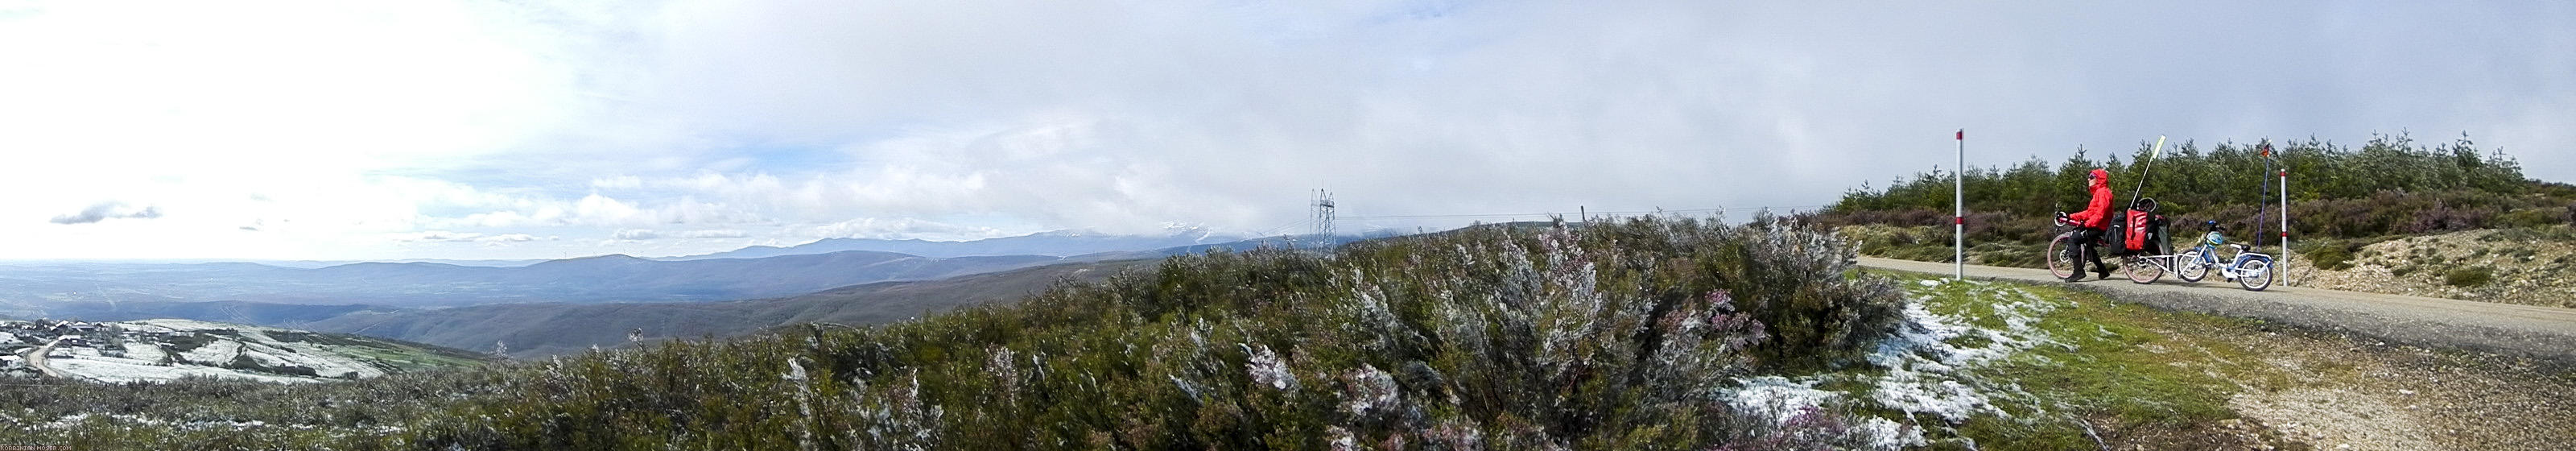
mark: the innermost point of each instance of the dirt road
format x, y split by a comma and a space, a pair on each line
37, 358
2547, 333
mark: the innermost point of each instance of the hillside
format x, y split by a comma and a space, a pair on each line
532, 330
2529, 266
1650, 334
1054, 244
32, 290
165, 350
1611, 337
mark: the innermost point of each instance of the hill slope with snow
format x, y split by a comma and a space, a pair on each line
169, 349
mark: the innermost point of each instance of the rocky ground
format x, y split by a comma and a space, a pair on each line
2532, 266
2345, 393
2516, 266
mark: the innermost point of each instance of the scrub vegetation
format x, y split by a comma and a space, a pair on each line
1611, 336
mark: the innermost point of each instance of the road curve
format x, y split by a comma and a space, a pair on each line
2547, 333
36, 357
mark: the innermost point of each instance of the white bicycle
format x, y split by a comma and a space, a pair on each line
2253, 270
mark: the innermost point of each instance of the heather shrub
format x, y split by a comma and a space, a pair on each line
1588, 336
2468, 277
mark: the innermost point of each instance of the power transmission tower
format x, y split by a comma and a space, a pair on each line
1324, 219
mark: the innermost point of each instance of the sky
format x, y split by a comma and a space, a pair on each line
334, 130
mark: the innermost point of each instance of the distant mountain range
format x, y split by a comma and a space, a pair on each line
558, 306
1058, 243
26, 291
533, 330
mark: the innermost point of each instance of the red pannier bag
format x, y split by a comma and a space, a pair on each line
2139, 222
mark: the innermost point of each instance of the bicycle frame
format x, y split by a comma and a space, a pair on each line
2235, 269
2247, 268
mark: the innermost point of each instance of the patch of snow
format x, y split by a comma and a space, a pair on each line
1921, 357
145, 351
1779, 401
216, 352
1778, 398
115, 370
1924, 362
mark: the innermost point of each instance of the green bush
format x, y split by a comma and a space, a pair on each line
2533, 217
2469, 276
2331, 256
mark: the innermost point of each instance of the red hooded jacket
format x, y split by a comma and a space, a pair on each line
2099, 212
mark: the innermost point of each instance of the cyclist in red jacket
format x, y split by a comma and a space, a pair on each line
2091, 222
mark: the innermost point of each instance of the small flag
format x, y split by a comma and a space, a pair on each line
1962, 136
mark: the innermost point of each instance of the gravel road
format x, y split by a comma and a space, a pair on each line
2546, 333
37, 358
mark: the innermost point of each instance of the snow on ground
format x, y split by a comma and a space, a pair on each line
217, 352
1921, 364
148, 352
195, 325
280, 355
113, 369
262, 345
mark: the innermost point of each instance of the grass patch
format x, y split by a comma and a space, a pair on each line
2125, 370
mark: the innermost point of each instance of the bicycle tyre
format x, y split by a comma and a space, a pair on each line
2061, 257
2258, 274
2191, 269
2143, 271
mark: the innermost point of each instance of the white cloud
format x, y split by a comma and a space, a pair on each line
107, 210
331, 130
646, 234
901, 228
510, 238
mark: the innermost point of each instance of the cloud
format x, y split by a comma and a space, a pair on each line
509, 238
644, 234
960, 120
472, 237
899, 228
107, 210
1099, 116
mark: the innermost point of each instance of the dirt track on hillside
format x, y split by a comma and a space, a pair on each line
2545, 333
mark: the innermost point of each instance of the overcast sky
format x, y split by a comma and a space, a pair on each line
474, 129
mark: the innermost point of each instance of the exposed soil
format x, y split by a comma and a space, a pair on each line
2528, 266
2349, 393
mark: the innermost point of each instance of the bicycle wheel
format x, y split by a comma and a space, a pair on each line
2257, 274
2191, 269
2061, 256
2143, 269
